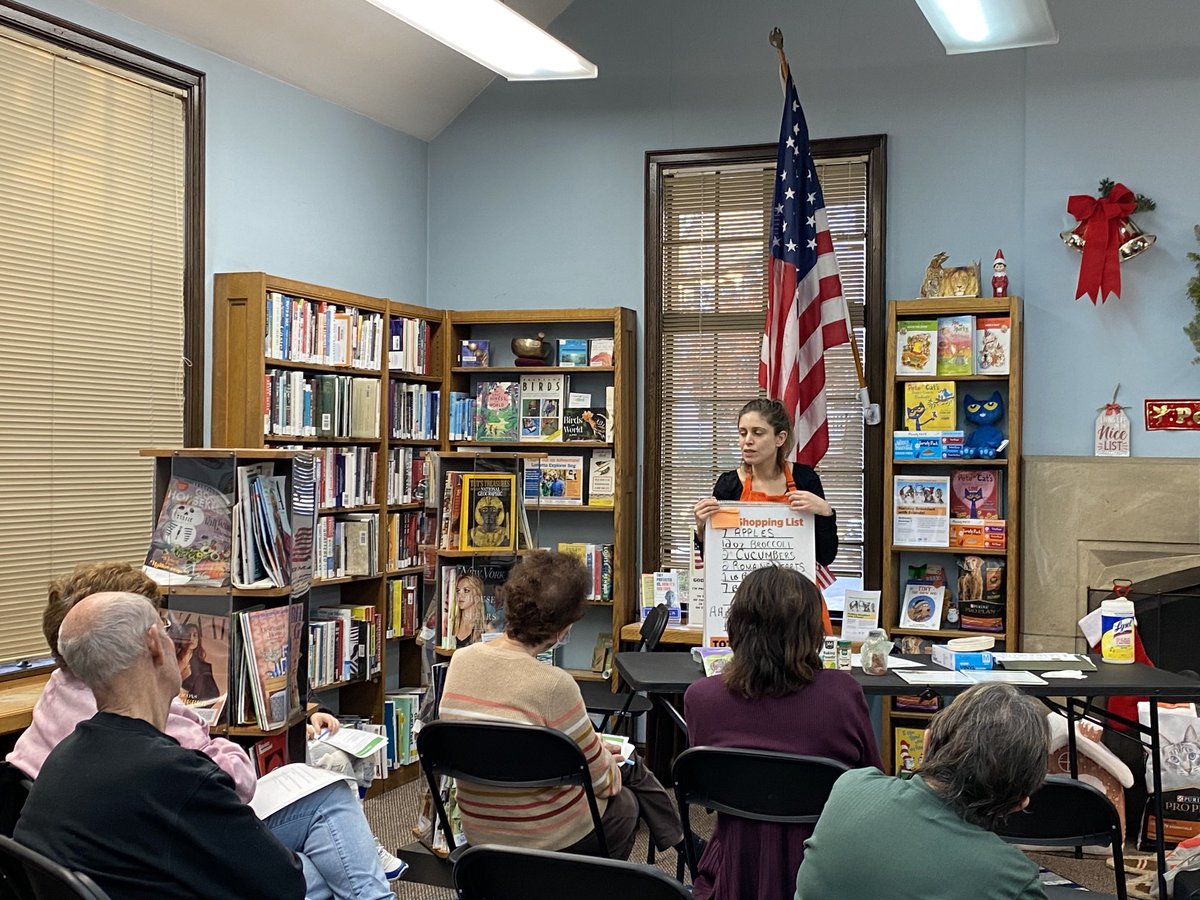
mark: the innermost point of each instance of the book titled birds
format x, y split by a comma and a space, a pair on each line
542, 399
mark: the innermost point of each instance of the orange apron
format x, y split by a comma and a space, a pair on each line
749, 495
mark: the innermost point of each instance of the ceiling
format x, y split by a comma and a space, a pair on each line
347, 51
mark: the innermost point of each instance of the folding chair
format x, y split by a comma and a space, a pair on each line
627, 704
1064, 812
506, 873
30, 876
15, 786
498, 754
759, 785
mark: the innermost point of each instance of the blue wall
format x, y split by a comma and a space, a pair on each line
536, 191
295, 185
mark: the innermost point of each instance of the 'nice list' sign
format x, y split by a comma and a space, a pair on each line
742, 537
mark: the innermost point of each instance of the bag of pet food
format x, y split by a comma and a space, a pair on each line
981, 593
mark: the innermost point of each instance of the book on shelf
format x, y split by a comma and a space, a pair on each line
451, 511
602, 653
347, 545
929, 406
598, 559
956, 345
406, 482
270, 655
345, 476
556, 480
921, 606
193, 537
600, 352
497, 404
921, 510
975, 494
488, 516
400, 617
355, 640
916, 347
364, 408
202, 654
303, 523
572, 352
462, 416
910, 748
585, 424
542, 399
404, 533
602, 479
325, 406
409, 346
317, 332
270, 754
474, 353
415, 411
993, 345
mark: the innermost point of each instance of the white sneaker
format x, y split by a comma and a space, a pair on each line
393, 867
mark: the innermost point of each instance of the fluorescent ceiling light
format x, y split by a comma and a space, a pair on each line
971, 26
494, 36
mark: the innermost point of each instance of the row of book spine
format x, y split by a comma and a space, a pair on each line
400, 710
462, 416
406, 532
599, 561
345, 644
345, 476
415, 410
316, 332
403, 598
406, 475
408, 348
346, 545
325, 406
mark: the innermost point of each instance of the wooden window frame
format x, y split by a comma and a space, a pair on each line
190, 82
874, 148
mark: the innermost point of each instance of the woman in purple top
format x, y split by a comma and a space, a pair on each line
773, 695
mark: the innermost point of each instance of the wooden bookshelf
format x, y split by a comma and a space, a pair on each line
897, 557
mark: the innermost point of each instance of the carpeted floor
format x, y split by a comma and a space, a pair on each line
392, 816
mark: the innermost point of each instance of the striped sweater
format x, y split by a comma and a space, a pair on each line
497, 682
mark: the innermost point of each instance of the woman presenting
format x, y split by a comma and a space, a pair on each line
765, 438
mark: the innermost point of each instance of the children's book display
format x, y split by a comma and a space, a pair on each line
929, 406
956, 345
916, 347
992, 346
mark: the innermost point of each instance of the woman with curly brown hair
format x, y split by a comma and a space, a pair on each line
502, 680
773, 695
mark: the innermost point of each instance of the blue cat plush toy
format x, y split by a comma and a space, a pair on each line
984, 442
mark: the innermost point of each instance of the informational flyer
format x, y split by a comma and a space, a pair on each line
860, 615
921, 511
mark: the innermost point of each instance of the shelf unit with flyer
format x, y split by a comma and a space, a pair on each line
587, 501
197, 496
305, 366
980, 560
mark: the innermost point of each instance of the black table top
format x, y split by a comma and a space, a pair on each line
672, 673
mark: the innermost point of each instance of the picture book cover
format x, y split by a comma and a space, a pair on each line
572, 352
992, 345
921, 510
600, 352
489, 514
586, 424
193, 538
202, 654
975, 494
921, 606
916, 347
929, 406
602, 479
474, 354
910, 747
542, 407
554, 481
497, 404
956, 345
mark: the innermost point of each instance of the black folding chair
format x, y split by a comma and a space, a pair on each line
506, 873
498, 754
759, 785
1064, 812
28, 875
626, 705
15, 786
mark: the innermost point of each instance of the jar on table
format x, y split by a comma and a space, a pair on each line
875, 650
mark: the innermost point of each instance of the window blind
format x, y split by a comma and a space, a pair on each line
713, 265
91, 301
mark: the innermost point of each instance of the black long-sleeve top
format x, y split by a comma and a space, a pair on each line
729, 487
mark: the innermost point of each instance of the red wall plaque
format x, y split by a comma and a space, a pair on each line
1173, 415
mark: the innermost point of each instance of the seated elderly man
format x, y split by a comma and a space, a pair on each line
122, 801
931, 837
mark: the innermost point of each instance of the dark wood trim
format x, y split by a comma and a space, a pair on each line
874, 147
54, 30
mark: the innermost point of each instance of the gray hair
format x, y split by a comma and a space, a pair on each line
113, 641
986, 752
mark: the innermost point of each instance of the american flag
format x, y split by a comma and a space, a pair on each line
806, 313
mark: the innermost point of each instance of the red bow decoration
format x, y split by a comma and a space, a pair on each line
1100, 270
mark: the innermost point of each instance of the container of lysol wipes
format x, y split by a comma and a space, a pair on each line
1118, 626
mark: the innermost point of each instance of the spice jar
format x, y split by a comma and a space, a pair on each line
875, 650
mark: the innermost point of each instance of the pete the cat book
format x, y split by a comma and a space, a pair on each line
929, 406
975, 494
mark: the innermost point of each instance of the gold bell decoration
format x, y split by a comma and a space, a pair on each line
1106, 237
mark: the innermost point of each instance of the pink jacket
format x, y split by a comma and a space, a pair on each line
66, 701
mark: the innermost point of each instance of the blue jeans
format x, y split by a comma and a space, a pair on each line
329, 832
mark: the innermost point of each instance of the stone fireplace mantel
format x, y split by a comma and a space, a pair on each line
1089, 520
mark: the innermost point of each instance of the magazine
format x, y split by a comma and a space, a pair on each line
488, 514
266, 641
193, 537
202, 654
554, 481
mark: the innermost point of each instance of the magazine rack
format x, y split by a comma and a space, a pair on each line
902, 727
200, 507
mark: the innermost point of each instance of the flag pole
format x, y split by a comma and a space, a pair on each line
870, 411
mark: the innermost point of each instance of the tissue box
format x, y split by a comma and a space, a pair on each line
961, 660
